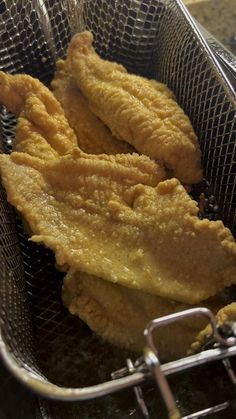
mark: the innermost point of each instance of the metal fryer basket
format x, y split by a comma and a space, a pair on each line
153, 38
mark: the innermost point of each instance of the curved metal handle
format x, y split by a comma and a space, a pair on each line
151, 352
39, 384
172, 318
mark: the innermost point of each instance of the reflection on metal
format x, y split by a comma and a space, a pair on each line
153, 38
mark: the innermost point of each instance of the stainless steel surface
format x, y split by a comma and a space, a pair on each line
192, 312
137, 391
152, 361
209, 411
225, 57
154, 38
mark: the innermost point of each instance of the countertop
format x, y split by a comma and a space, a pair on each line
217, 16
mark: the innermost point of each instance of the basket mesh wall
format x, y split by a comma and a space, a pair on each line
151, 38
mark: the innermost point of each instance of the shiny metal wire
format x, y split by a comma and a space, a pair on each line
153, 38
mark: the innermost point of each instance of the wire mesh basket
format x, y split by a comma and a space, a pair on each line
152, 38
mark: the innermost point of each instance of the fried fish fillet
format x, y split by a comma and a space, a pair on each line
92, 135
96, 215
42, 130
120, 314
225, 314
99, 217
137, 110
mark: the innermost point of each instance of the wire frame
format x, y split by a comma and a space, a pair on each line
153, 38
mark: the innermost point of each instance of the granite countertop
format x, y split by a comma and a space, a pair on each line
217, 16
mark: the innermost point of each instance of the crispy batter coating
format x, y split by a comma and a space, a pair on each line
42, 130
227, 313
92, 135
120, 314
106, 216
46, 122
99, 217
137, 110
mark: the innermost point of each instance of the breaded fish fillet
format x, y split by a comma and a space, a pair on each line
137, 110
42, 130
120, 314
99, 216
92, 135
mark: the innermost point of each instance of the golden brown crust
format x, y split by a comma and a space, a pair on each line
109, 216
103, 218
92, 135
120, 314
147, 117
42, 130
